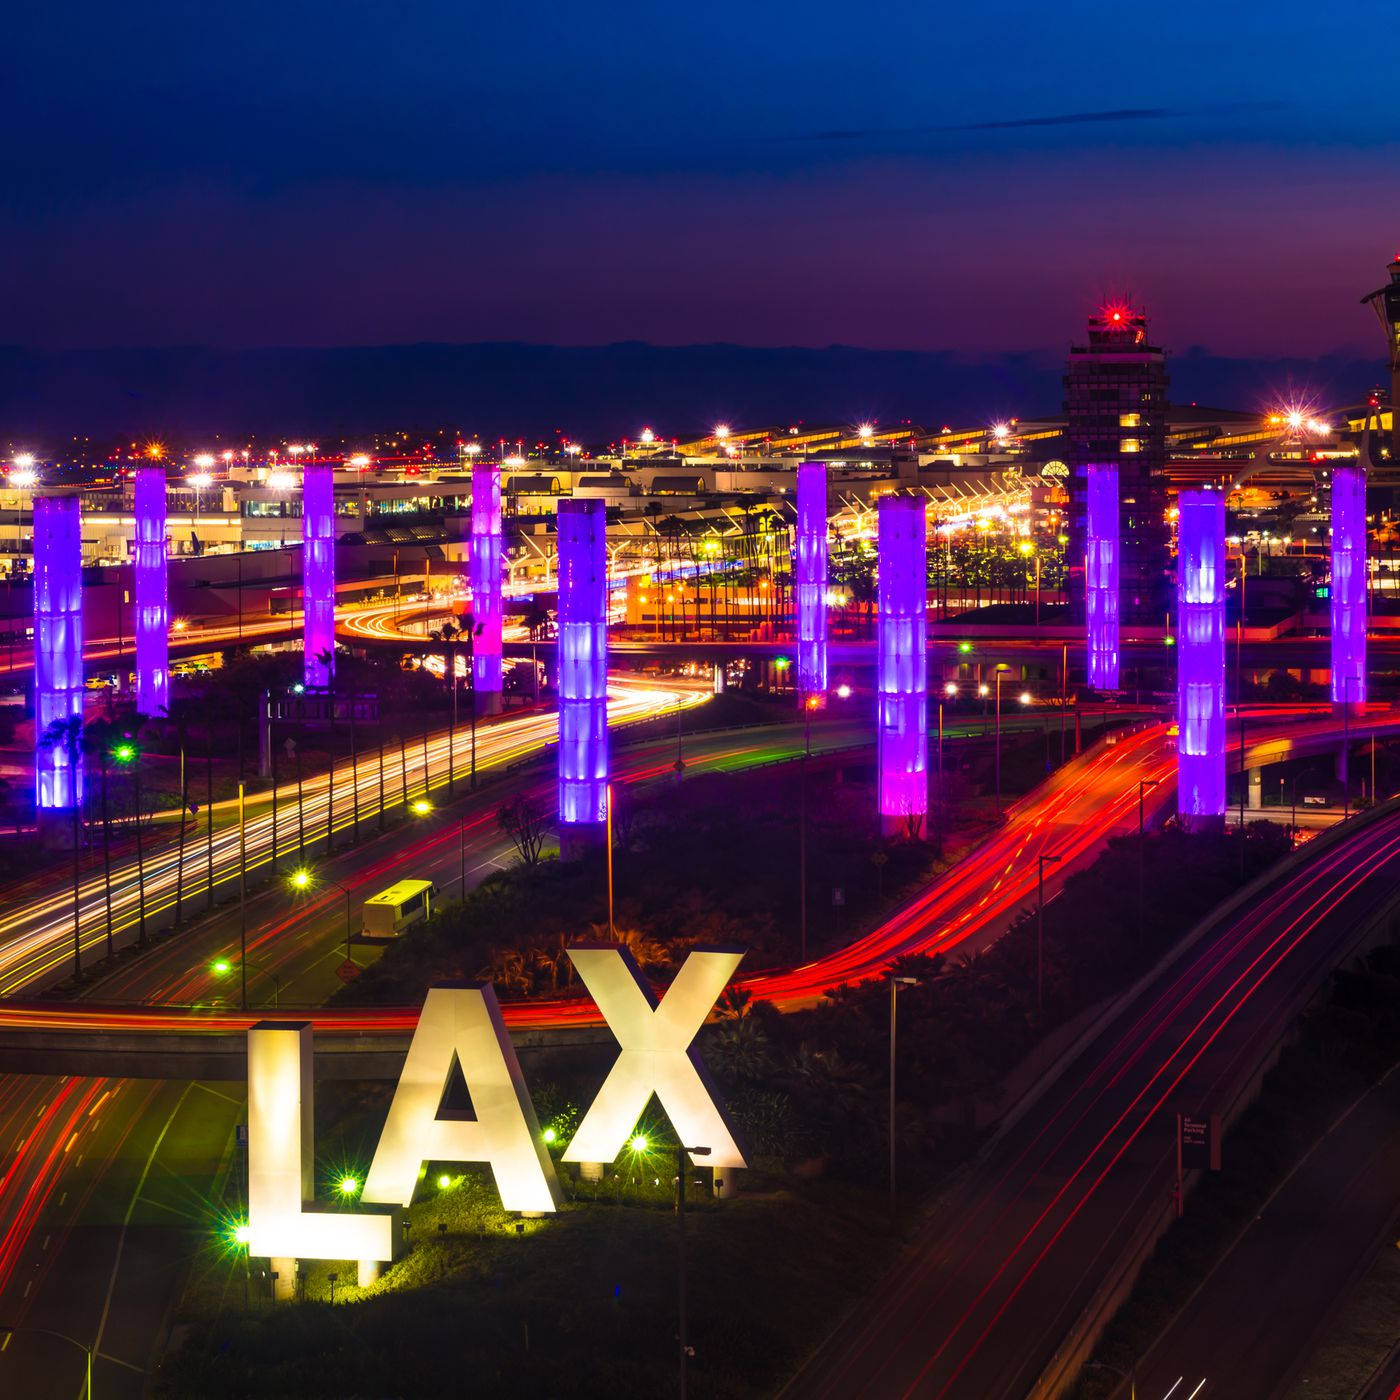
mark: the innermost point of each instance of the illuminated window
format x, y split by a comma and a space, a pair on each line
1131, 445
1130, 420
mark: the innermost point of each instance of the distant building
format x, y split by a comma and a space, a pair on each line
1116, 412
1385, 302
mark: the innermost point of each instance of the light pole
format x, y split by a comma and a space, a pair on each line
808, 706
681, 1168
1143, 785
1002, 668
1041, 863
608, 842
895, 984
303, 880
7, 1332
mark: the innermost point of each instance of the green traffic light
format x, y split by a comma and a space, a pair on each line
124, 753
964, 647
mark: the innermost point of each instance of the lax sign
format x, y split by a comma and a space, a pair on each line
462, 1024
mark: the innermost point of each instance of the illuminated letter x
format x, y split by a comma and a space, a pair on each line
656, 1055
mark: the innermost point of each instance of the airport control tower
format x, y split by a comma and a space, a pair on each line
1116, 406
1385, 302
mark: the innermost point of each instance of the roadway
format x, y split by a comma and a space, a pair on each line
37, 934
1018, 1246
1255, 1315
106, 1183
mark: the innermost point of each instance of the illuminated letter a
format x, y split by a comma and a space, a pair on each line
463, 1023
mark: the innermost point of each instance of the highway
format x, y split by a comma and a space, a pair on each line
36, 938
105, 1184
1016, 1248
1256, 1314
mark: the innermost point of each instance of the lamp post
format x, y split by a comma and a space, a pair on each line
303, 879
6, 1331
895, 984
681, 1167
1041, 863
1002, 668
1143, 785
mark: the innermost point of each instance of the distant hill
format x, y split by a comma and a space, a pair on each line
594, 393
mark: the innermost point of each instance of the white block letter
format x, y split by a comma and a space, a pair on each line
656, 1055
281, 1158
463, 1022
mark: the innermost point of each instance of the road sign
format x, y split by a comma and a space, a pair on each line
348, 971
1199, 1142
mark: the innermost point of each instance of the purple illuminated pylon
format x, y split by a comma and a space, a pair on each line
152, 597
902, 679
809, 589
485, 579
318, 575
1348, 585
1200, 713
1101, 574
583, 665
58, 648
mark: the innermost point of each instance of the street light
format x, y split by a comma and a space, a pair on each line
1042, 862
1143, 785
303, 879
895, 984
7, 1332
681, 1152
1002, 668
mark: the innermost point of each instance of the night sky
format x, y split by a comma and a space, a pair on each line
885, 175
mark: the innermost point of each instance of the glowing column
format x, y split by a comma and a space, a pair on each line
583, 669
58, 649
1200, 584
1348, 585
810, 586
485, 580
902, 679
318, 574
152, 598
1101, 574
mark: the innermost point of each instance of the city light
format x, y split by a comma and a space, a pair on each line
318, 574
204, 460
1026, 697
901, 664
1000, 431
843, 691
950, 689
281, 481
421, 807
638, 1143
1101, 549
360, 461
810, 574
865, 432
152, 599
200, 481
221, 967
721, 431
485, 571
348, 1185
124, 753
583, 664
300, 879
22, 478
58, 652
23, 460
1201, 664
444, 1181
648, 437
549, 1135
241, 1234
1348, 588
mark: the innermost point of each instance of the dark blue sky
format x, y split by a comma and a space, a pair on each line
892, 175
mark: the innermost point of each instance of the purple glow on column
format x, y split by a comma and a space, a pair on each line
318, 574
1200, 583
1348, 585
809, 588
152, 597
485, 578
1101, 574
902, 679
58, 645
583, 663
